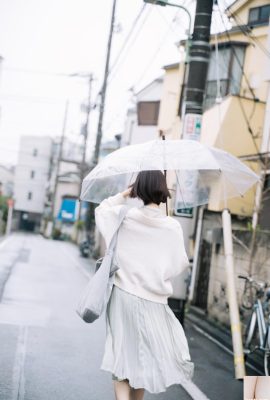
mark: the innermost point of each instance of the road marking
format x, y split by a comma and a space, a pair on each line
4, 242
194, 391
226, 349
18, 368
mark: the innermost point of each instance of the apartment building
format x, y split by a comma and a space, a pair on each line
31, 177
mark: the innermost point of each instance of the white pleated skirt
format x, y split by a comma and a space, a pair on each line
145, 343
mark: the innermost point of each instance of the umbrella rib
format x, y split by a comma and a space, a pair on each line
180, 189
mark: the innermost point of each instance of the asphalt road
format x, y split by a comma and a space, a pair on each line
48, 353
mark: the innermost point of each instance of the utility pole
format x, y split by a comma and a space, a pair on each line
104, 88
91, 209
193, 109
86, 126
59, 158
85, 132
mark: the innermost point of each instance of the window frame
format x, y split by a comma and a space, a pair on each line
157, 104
259, 20
232, 59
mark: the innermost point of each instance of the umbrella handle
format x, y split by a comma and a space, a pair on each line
165, 173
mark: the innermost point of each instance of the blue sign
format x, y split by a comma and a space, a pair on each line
68, 211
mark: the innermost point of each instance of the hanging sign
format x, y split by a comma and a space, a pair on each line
192, 126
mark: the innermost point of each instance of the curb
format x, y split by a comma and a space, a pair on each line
222, 335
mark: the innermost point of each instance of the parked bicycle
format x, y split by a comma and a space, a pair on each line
256, 296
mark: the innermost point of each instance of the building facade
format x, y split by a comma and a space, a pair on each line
234, 119
31, 180
142, 119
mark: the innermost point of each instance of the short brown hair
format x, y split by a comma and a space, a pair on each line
151, 187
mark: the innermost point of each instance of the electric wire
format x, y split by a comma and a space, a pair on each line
109, 124
139, 80
135, 22
247, 120
235, 54
115, 72
241, 25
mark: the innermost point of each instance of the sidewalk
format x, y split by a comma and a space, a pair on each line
221, 335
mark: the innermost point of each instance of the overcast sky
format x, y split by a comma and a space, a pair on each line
43, 41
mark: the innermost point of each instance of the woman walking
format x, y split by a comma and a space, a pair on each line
146, 347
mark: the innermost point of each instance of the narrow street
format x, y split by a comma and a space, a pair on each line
50, 354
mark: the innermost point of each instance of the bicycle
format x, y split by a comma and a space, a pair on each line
257, 319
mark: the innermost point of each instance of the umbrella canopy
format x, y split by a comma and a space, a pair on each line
201, 171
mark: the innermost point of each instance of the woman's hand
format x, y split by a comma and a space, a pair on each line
126, 192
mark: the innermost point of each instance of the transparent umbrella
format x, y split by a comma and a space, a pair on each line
200, 171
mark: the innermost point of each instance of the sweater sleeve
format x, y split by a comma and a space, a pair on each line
107, 216
179, 258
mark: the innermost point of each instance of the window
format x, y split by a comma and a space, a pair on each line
259, 15
32, 174
29, 196
148, 112
230, 64
35, 152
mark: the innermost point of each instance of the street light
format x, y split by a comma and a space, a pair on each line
164, 3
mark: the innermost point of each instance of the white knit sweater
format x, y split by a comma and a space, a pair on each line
150, 248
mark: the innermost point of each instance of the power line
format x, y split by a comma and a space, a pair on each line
255, 99
135, 22
131, 44
34, 71
108, 125
236, 56
113, 68
241, 25
157, 50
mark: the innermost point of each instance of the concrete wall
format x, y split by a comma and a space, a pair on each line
217, 302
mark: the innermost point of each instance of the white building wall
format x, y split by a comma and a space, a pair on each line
134, 133
34, 158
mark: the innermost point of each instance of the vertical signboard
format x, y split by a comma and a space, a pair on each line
185, 194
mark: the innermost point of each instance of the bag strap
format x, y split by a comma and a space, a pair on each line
123, 211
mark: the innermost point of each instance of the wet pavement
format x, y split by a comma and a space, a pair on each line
48, 353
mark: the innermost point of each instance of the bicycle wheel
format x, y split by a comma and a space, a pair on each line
267, 355
250, 331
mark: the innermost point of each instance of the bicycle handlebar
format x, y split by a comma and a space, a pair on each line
243, 277
251, 280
